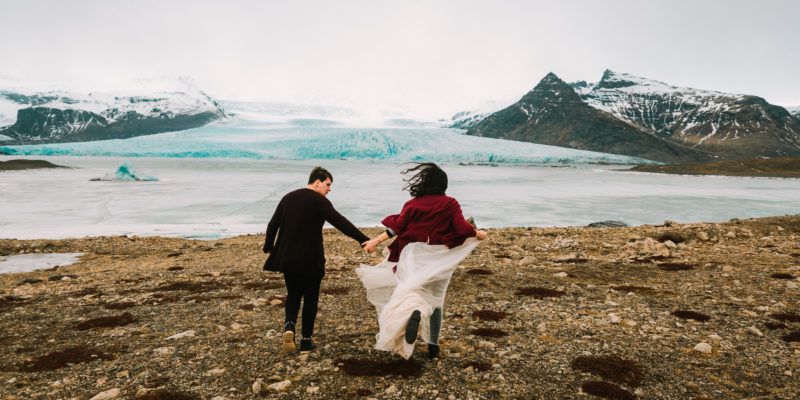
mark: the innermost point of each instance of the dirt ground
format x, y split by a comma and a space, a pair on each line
700, 311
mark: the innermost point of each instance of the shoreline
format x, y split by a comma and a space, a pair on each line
678, 311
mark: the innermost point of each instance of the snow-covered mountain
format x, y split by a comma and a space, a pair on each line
727, 124
794, 111
47, 116
468, 119
646, 118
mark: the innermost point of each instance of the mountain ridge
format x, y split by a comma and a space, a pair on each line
703, 124
37, 117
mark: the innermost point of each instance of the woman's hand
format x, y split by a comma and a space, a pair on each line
480, 235
370, 245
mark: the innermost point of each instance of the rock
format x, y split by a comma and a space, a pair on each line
164, 351
391, 389
257, 386
702, 236
275, 302
281, 386
219, 398
715, 337
236, 326
672, 236
570, 257
614, 318
791, 285
527, 260
189, 333
703, 347
561, 275
108, 394
484, 344
670, 244
607, 224
730, 235
788, 373
312, 389
754, 331
215, 371
123, 374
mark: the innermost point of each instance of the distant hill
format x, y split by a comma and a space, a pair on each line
634, 116
51, 116
782, 167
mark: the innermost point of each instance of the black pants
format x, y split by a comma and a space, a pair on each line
306, 289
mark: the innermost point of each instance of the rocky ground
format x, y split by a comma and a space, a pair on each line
700, 311
782, 167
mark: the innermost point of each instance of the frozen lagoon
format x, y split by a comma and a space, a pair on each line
213, 197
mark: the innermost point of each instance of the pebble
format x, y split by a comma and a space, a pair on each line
219, 398
670, 244
703, 347
714, 336
791, 285
281, 386
754, 331
615, 319
312, 389
730, 235
484, 344
189, 333
561, 275
164, 351
123, 374
216, 371
391, 389
236, 326
788, 373
257, 386
275, 302
108, 394
702, 236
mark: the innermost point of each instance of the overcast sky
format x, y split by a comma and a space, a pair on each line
427, 57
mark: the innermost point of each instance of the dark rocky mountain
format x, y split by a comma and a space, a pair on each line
51, 117
727, 125
553, 113
624, 114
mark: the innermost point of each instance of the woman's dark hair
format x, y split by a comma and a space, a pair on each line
319, 173
428, 178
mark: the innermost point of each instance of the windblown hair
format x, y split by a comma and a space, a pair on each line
319, 173
428, 178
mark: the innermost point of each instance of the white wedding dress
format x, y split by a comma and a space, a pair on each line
420, 283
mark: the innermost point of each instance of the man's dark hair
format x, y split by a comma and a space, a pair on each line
428, 178
319, 173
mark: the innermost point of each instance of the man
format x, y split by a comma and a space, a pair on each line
298, 252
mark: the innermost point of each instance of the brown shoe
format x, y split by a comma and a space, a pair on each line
288, 342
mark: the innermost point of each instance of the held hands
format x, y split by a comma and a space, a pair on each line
480, 235
370, 245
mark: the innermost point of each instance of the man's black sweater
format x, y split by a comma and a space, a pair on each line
297, 223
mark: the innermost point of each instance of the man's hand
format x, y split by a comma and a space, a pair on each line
370, 245
480, 234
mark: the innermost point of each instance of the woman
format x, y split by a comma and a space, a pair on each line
431, 237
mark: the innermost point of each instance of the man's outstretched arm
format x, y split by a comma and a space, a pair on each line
340, 222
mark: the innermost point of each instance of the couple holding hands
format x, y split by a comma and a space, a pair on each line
407, 288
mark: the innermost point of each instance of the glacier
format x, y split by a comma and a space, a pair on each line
293, 140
